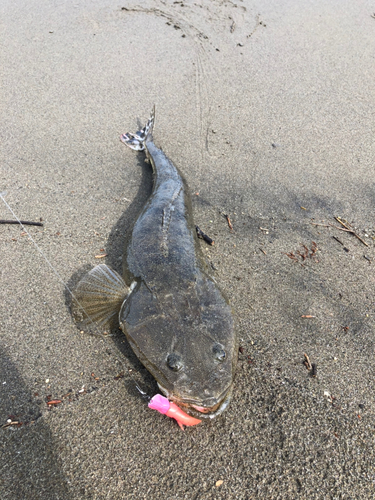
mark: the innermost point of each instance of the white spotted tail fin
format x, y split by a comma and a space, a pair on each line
137, 141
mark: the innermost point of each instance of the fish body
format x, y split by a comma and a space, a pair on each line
175, 317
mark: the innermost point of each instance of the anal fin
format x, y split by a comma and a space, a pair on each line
99, 296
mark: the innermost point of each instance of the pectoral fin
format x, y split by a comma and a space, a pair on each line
99, 296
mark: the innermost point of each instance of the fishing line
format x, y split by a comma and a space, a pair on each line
54, 270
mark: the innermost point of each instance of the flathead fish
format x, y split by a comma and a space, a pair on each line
173, 314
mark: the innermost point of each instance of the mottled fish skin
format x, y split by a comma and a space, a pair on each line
176, 319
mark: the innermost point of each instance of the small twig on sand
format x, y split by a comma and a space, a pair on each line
24, 222
204, 236
310, 366
307, 362
341, 228
54, 402
317, 224
229, 222
350, 230
345, 228
314, 249
339, 241
305, 254
291, 256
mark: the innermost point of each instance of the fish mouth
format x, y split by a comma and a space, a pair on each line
207, 409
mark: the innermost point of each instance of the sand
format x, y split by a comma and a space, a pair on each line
268, 110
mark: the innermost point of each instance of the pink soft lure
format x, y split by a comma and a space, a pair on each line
166, 407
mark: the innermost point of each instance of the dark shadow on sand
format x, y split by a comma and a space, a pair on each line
29, 466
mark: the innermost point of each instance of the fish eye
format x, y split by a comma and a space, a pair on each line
174, 362
219, 352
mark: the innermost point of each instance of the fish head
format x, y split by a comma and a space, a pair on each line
187, 342
202, 378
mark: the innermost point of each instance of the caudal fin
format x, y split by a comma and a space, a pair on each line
137, 141
99, 296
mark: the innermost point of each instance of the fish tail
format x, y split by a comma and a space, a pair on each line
98, 297
137, 141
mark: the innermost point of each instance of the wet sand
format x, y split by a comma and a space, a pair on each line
268, 112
